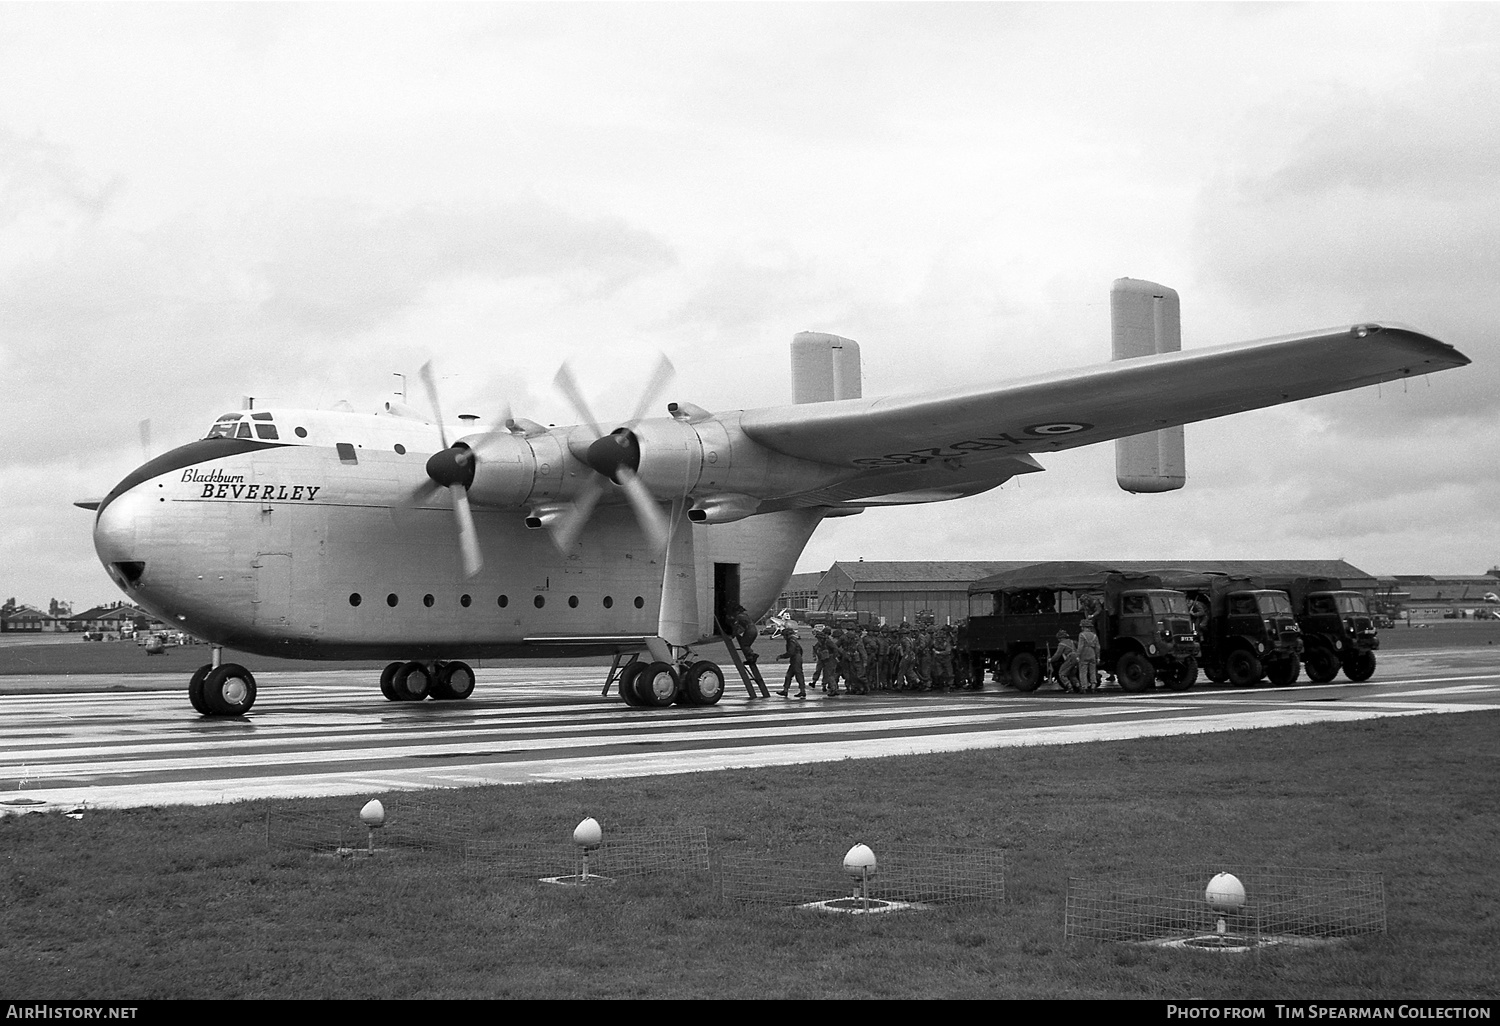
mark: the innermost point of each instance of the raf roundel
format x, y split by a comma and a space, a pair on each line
1052, 430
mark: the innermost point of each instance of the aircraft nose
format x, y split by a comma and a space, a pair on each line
116, 536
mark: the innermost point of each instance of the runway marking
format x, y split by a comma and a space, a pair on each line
323, 733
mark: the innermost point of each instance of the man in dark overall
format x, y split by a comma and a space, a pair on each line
793, 663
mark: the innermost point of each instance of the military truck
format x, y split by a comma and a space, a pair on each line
1338, 630
1145, 630
1247, 631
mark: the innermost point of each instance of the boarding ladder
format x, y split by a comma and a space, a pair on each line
749, 671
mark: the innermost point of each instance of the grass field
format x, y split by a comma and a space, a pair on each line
179, 902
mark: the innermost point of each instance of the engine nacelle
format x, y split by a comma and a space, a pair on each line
505, 470
722, 509
671, 457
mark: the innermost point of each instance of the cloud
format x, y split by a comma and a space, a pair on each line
107, 324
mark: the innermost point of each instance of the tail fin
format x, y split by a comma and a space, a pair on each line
1146, 319
824, 367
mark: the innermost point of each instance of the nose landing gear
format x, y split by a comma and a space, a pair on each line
222, 689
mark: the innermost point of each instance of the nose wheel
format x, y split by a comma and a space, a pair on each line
224, 690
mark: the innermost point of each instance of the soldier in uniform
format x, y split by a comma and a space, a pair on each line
845, 641
793, 663
924, 661
745, 632
1064, 660
942, 654
859, 662
827, 651
1088, 657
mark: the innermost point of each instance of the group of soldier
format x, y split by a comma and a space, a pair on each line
1075, 665
865, 660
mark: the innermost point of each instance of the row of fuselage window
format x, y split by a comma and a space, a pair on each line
539, 601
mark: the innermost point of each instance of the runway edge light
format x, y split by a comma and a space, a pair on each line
373, 817
587, 836
1224, 894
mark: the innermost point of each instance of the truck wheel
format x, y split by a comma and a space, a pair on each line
1216, 674
1135, 673
1284, 671
1244, 668
1322, 665
1181, 676
1025, 672
1361, 667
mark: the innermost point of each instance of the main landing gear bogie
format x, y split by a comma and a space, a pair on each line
414, 681
657, 684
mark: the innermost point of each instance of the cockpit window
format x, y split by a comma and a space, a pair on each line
237, 425
224, 426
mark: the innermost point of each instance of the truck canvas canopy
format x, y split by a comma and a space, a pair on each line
1061, 576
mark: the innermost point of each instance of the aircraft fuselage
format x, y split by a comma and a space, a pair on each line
327, 540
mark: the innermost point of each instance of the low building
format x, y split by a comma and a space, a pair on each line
1456, 596
29, 620
120, 618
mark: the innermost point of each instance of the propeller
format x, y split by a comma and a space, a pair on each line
453, 469
615, 457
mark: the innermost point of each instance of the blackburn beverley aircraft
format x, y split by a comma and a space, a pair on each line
324, 534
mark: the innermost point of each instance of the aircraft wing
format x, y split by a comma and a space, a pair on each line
979, 436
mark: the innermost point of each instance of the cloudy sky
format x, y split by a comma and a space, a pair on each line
200, 202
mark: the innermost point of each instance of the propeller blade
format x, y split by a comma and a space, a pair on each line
567, 532
659, 380
569, 388
647, 513
146, 440
468, 537
432, 398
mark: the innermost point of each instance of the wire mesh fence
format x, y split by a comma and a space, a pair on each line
624, 852
410, 824
1280, 902
431, 825
906, 876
